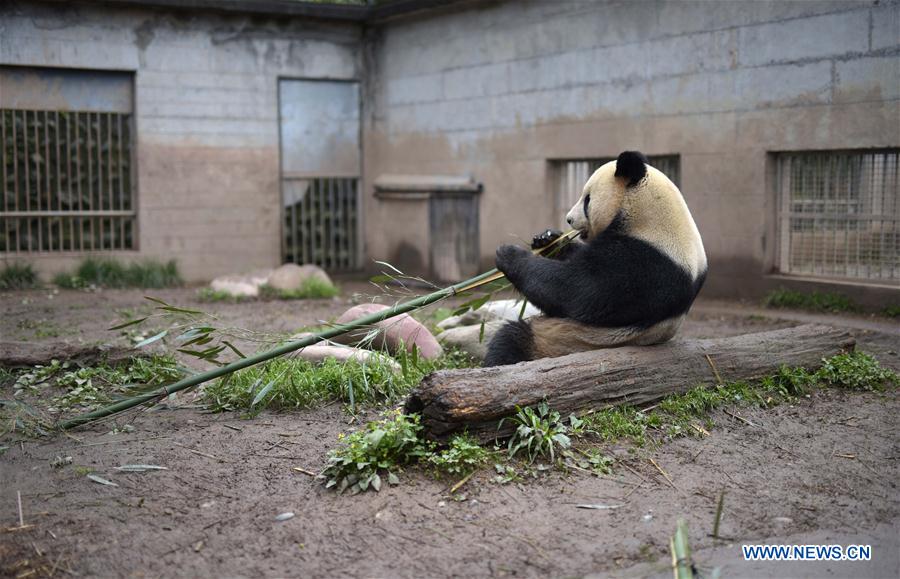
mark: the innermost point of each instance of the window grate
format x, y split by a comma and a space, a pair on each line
67, 182
571, 175
839, 215
321, 217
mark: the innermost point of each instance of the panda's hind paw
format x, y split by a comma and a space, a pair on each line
509, 255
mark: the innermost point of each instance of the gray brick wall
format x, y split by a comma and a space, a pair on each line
497, 89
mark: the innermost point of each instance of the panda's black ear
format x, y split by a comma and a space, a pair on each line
632, 165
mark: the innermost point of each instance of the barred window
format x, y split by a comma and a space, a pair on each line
839, 215
569, 177
66, 161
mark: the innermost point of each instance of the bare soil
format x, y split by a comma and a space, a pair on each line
822, 471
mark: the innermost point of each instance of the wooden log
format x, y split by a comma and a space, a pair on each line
15, 354
451, 401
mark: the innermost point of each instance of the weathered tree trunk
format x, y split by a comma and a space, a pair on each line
21, 354
451, 401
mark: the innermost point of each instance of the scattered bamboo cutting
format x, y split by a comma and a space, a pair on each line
200, 378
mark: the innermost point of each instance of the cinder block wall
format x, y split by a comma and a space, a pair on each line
206, 106
496, 89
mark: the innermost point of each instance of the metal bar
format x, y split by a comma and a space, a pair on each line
101, 214
78, 181
304, 227
121, 183
3, 143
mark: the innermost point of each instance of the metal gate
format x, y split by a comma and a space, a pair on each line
320, 168
66, 171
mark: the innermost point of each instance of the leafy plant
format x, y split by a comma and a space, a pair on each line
856, 371
311, 288
110, 273
462, 456
814, 301
539, 432
891, 311
18, 276
381, 448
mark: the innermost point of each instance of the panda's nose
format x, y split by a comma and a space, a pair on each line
570, 220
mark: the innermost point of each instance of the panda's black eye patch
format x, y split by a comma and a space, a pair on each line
587, 201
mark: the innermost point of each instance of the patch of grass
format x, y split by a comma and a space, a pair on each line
109, 273
92, 386
688, 414
285, 383
891, 311
18, 276
312, 288
814, 301
209, 295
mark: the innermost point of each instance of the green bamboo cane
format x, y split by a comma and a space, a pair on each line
286, 348
292, 346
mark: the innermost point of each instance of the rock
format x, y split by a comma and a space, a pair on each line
241, 285
291, 276
318, 353
403, 328
469, 338
493, 310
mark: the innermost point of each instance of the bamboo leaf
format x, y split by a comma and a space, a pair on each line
126, 324
234, 348
262, 393
151, 339
101, 480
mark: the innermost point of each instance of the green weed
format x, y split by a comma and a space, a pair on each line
539, 432
462, 456
856, 371
110, 273
18, 276
311, 288
381, 448
814, 301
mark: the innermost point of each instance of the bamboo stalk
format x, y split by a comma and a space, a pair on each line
292, 346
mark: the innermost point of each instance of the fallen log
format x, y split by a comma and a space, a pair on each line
15, 354
475, 400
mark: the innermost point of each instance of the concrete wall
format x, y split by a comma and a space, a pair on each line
206, 106
496, 89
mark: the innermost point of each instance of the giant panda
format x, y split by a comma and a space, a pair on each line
630, 279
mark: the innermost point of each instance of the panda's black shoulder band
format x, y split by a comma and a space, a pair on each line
631, 165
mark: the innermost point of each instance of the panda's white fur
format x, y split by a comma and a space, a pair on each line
631, 281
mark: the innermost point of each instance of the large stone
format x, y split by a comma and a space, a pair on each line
470, 340
291, 276
319, 353
494, 310
241, 285
393, 332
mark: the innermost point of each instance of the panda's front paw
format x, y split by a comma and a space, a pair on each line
509, 255
544, 239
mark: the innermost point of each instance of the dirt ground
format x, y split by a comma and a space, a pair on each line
822, 471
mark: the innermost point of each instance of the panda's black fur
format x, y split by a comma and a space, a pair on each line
613, 280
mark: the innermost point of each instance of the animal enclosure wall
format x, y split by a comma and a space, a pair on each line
202, 136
